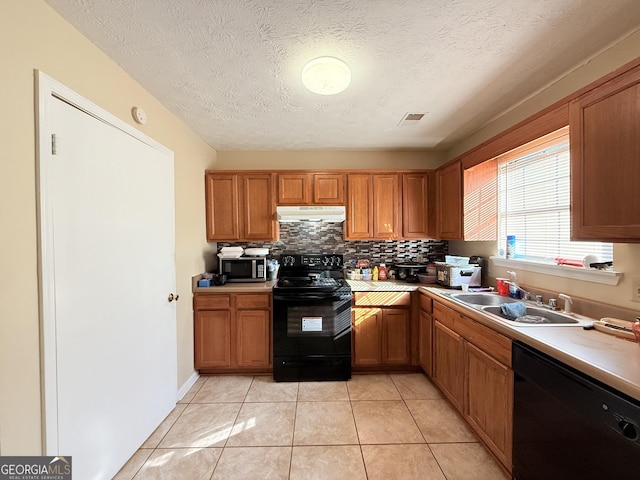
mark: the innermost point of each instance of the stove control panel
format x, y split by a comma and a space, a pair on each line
332, 262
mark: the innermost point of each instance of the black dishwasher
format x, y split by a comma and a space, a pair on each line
567, 425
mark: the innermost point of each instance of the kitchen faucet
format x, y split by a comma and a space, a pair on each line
524, 295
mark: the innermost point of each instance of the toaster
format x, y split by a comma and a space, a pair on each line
458, 275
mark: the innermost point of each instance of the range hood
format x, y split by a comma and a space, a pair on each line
308, 213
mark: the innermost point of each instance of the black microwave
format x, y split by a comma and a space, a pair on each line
244, 269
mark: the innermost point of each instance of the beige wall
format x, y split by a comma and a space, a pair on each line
34, 37
328, 159
618, 54
625, 255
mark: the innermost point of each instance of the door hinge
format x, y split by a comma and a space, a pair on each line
54, 144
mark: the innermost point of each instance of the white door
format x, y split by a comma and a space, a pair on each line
109, 220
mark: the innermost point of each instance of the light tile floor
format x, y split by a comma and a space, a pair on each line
373, 427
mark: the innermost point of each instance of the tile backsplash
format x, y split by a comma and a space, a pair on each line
325, 237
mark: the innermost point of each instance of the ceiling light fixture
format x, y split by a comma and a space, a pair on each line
326, 75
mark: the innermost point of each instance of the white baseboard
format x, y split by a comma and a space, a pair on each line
186, 386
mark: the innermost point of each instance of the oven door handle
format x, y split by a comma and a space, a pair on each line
311, 296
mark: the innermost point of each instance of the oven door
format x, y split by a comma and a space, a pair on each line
311, 324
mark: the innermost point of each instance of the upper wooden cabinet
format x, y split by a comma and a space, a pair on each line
481, 201
605, 161
449, 202
328, 188
311, 189
240, 206
222, 206
417, 206
381, 205
294, 188
373, 207
386, 206
359, 222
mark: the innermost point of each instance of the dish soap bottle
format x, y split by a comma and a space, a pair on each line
375, 274
382, 272
514, 290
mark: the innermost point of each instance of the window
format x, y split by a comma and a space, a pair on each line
534, 202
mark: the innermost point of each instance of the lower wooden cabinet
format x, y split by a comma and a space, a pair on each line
253, 339
448, 363
425, 333
489, 407
367, 336
381, 336
395, 337
472, 367
212, 345
232, 332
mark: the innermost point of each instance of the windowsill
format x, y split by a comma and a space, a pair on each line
605, 277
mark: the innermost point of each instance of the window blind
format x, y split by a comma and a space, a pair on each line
534, 205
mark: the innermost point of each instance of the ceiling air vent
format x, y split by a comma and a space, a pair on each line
410, 119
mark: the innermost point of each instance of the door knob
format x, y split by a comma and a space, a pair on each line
173, 297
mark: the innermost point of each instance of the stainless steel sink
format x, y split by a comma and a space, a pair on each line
534, 316
482, 298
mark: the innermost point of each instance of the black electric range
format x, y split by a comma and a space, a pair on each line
311, 319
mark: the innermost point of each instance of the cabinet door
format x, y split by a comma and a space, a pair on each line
449, 202
448, 363
386, 206
425, 347
490, 401
359, 224
294, 189
328, 189
605, 148
259, 207
395, 337
222, 208
481, 201
415, 205
367, 323
212, 334
253, 338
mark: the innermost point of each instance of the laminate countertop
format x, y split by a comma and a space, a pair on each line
612, 360
265, 287
232, 287
382, 286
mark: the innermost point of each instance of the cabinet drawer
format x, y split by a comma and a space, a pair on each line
493, 343
447, 316
212, 301
488, 340
382, 299
253, 300
426, 303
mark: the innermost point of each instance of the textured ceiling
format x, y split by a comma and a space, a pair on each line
231, 69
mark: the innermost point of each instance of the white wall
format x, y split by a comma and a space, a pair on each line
33, 36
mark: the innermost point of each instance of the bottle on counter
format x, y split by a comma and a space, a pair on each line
635, 328
374, 275
382, 272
